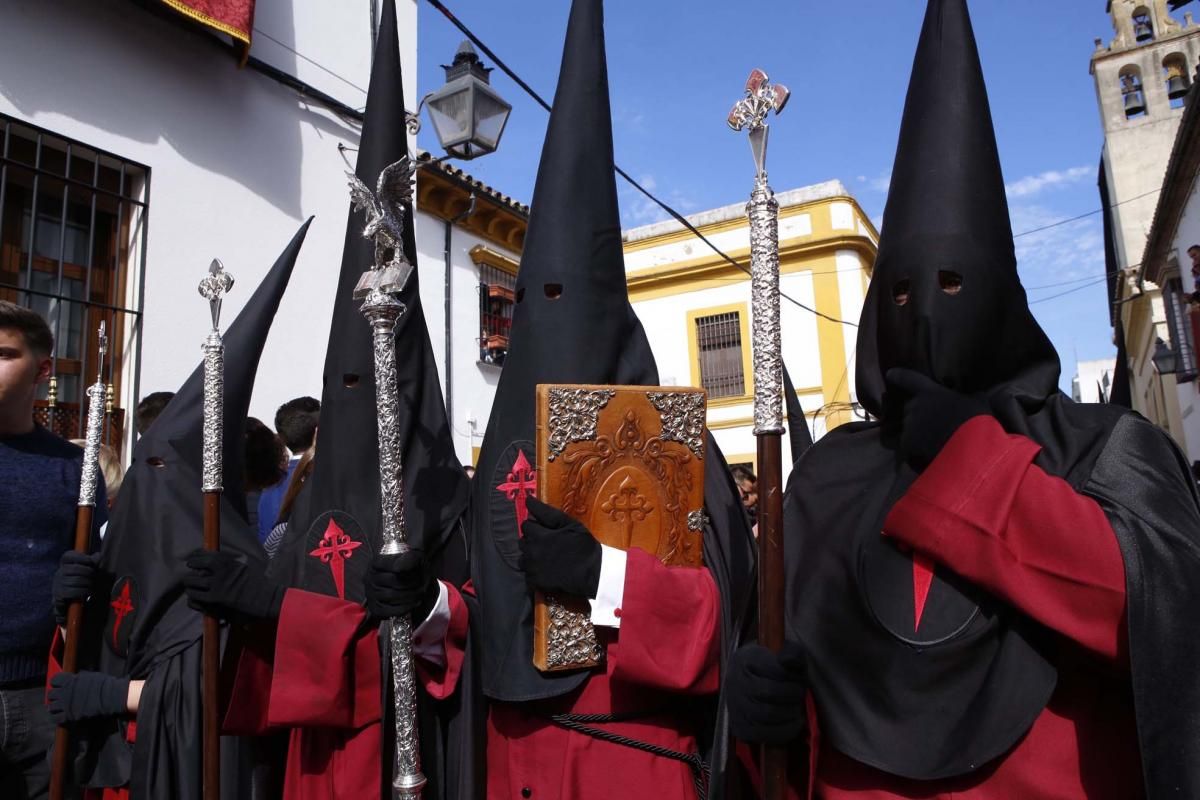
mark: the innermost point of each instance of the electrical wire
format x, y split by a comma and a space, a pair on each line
319, 66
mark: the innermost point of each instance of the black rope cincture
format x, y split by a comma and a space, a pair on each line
582, 723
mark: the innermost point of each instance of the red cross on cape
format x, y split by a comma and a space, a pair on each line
334, 549
122, 606
521, 483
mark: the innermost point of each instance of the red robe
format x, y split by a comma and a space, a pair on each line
665, 650
984, 510
321, 678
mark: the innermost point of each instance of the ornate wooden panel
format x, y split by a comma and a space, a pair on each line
627, 462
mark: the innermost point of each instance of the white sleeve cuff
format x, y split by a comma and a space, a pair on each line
606, 607
429, 638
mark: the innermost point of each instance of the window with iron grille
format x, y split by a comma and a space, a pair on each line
72, 242
1180, 330
719, 345
496, 288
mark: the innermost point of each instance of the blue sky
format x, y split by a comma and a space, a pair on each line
676, 67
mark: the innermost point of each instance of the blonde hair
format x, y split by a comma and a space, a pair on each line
110, 467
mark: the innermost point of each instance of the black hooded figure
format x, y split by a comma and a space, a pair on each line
986, 587
573, 323
313, 661
138, 624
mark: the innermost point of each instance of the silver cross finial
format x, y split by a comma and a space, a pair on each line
214, 286
751, 111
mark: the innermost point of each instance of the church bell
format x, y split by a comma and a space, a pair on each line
1142, 30
1177, 87
1135, 103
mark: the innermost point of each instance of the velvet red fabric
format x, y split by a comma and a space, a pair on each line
664, 653
321, 677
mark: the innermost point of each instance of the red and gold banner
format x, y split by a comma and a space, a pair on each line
232, 17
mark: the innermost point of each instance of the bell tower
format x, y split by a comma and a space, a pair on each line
1142, 76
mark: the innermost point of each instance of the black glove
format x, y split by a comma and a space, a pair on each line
400, 585
73, 581
558, 554
85, 695
765, 694
220, 584
932, 413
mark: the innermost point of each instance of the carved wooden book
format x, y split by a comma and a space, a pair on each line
627, 462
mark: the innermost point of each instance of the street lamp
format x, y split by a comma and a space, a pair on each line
1166, 361
467, 113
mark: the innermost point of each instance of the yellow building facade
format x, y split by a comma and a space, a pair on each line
695, 307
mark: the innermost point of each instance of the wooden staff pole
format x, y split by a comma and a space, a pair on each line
84, 516
213, 288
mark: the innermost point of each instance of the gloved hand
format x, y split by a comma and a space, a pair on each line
86, 695
220, 584
932, 413
399, 585
73, 581
765, 694
558, 554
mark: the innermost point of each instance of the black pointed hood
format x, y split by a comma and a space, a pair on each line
572, 323
799, 435
343, 489
158, 521
947, 222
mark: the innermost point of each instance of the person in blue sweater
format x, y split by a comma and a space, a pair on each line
39, 492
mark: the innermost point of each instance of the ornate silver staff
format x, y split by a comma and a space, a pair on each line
750, 113
84, 516
379, 288
213, 288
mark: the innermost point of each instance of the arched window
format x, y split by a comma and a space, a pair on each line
1131, 92
1143, 27
1175, 74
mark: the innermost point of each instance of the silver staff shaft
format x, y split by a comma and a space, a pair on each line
213, 288
95, 426
382, 310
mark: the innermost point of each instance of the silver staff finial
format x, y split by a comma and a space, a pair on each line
751, 111
385, 226
213, 287
102, 337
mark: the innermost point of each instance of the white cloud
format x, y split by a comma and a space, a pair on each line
1067, 252
638, 209
881, 183
1031, 185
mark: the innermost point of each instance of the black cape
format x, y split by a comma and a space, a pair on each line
344, 485
963, 689
139, 624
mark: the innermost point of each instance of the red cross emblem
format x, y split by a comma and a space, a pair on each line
522, 482
122, 607
333, 550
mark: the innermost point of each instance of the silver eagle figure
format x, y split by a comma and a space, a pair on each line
384, 209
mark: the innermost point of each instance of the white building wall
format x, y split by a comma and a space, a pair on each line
237, 161
473, 384
1093, 376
